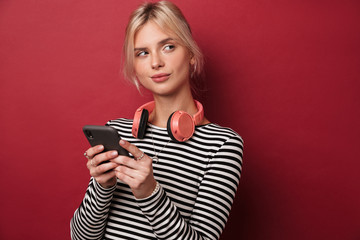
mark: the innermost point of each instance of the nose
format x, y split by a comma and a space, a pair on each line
156, 61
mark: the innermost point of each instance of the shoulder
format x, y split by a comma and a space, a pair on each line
226, 138
227, 144
214, 130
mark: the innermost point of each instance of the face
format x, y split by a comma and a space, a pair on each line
161, 63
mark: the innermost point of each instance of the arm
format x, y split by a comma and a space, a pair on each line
89, 219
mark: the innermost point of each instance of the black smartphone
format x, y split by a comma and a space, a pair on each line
106, 136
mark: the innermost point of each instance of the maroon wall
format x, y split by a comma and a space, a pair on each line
284, 74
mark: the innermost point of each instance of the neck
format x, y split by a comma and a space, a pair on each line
166, 105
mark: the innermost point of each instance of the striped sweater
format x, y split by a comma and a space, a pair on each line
198, 181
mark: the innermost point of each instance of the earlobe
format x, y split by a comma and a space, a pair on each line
192, 60
192, 66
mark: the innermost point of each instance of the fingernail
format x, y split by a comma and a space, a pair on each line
114, 153
101, 147
122, 142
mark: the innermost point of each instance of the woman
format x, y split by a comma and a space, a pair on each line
180, 179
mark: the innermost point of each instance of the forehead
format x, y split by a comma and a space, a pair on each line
151, 34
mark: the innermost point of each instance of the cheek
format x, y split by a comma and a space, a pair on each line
183, 68
181, 63
141, 74
139, 70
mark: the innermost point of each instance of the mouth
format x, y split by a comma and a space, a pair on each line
160, 77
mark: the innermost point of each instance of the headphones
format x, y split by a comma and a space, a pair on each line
180, 125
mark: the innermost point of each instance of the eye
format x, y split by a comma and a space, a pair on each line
169, 47
141, 53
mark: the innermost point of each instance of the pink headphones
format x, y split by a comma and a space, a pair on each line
180, 125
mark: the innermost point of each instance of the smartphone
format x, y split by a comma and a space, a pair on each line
106, 136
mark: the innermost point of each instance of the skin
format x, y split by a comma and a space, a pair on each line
156, 52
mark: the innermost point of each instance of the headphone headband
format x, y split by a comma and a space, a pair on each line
199, 116
148, 106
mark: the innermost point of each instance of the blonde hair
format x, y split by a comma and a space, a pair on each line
170, 18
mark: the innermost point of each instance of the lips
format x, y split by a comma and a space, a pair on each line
160, 77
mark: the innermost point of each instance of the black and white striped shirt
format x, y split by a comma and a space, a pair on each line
198, 181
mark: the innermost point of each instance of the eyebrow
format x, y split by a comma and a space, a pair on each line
159, 43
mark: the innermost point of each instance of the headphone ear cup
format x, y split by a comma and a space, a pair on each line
180, 126
140, 123
168, 127
143, 123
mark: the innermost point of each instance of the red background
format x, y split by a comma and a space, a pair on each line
283, 74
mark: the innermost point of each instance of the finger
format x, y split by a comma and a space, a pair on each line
102, 169
138, 172
126, 161
96, 171
135, 183
131, 148
100, 158
106, 177
124, 177
91, 152
127, 171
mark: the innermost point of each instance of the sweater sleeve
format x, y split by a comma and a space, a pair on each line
89, 219
213, 204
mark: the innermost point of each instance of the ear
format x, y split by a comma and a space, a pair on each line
192, 58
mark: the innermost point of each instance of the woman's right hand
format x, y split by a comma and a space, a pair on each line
102, 171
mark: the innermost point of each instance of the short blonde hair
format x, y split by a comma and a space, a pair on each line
170, 18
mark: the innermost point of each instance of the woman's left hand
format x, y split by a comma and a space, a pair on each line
137, 172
